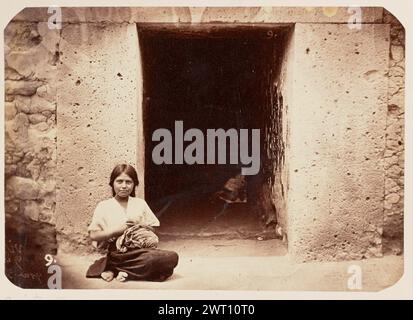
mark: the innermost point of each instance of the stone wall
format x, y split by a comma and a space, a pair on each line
273, 194
337, 124
394, 154
31, 59
97, 106
334, 88
284, 84
203, 15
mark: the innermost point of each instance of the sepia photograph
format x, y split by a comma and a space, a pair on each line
204, 148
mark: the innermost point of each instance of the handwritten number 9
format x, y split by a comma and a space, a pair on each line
49, 259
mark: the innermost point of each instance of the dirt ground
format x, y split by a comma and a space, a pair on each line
248, 264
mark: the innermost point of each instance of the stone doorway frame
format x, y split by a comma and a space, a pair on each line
273, 207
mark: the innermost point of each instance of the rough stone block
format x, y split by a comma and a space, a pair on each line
11, 206
10, 170
397, 53
390, 183
333, 130
10, 110
47, 215
39, 61
34, 168
31, 210
22, 104
96, 108
20, 125
24, 188
396, 71
395, 84
37, 118
394, 172
21, 36
24, 88
49, 186
9, 98
395, 189
393, 198
391, 161
11, 74
42, 126
39, 104
47, 92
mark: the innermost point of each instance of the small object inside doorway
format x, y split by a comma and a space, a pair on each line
234, 190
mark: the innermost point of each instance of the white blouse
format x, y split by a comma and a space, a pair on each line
109, 213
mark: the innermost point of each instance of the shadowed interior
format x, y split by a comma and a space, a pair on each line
208, 78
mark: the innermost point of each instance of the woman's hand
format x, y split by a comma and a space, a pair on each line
104, 235
118, 230
130, 223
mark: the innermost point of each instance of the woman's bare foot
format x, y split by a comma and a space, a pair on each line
122, 276
107, 275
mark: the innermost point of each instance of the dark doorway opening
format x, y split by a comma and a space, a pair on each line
212, 77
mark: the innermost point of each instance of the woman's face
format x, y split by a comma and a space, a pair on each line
123, 186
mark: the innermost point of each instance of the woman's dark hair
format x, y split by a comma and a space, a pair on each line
130, 171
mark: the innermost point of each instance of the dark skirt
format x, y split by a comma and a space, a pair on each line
139, 264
